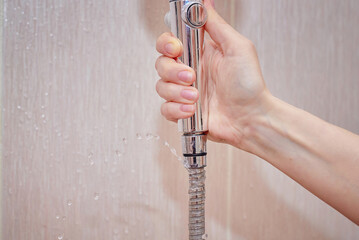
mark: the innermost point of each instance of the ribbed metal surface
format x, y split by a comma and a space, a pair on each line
197, 197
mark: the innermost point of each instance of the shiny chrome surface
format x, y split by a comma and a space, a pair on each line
195, 150
192, 37
194, 144
187, 19
196, 162
194, 14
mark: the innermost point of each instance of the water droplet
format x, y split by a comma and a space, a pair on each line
42, 115
115, 231
149, 136
205, 236
51, 35
69, 203
156, 137
61, 236
166, 144
18, 107
63, 218
138, 136
46, 94
124, 140
173, 151
57, 217
126, 230
96, 196
118, 153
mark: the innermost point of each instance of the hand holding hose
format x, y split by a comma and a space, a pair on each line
236, 89
321, 157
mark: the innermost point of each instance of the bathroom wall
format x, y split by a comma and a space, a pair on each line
86, 154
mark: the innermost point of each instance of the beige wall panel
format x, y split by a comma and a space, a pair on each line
86, 154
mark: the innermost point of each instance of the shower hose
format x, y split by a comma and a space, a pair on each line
197, 197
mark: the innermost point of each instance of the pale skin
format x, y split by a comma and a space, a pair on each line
321, 157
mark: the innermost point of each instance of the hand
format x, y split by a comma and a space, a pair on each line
236, 90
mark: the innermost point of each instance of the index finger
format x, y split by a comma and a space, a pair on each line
169, 45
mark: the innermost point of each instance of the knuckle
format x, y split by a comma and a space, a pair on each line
165, 111
160, 39
158, 45
158, 86
249, 44
170, 90
165, 69
156, 65
159, 64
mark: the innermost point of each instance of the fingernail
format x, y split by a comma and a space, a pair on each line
187, 108
185, 76
189, 94
170, 48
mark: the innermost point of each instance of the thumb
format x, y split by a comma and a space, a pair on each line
219, 30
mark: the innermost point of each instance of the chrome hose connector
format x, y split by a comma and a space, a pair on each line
194, 147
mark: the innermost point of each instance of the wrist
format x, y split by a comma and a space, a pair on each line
257, 124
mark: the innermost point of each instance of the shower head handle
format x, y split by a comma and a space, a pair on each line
186, 19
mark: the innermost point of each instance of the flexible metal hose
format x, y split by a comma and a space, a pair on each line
197, 197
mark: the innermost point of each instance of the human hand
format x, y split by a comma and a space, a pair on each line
236, 91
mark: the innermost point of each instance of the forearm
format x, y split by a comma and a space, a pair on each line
321, 157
